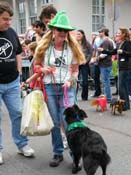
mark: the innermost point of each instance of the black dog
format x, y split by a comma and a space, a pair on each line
85, 143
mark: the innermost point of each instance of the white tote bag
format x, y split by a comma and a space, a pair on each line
36, 120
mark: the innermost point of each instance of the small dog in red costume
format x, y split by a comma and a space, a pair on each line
100, 103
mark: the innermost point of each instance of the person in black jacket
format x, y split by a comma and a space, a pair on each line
39, 28
84, 69
47, 14
124, 63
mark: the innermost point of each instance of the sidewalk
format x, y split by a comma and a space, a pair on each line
116, 130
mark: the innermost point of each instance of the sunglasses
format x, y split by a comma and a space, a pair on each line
61, 30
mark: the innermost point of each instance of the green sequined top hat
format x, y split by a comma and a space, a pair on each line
61, 20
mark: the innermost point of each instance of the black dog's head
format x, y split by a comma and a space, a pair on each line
74, 113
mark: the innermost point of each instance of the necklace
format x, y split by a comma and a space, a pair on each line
59, 61
51, 47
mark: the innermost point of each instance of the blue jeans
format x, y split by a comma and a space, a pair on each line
123, 87
105, 77
56, 109
129, 83
10, 94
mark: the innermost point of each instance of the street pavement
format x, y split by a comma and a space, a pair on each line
116, 130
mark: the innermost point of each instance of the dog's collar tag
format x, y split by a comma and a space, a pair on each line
76, 125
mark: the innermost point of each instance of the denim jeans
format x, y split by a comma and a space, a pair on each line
105, 77
129, 83
10, 94
123, 87
56, 109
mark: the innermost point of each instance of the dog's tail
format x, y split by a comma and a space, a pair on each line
94, 102
106, 157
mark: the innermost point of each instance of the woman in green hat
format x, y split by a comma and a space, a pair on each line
61, 55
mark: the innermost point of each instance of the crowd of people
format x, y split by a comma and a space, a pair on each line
62, 54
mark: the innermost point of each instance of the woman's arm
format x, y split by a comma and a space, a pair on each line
88, 52
108, 52
74, 69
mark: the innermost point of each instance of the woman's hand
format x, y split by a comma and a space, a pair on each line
22, 85
67, 84
71, 82
119, 51
100, 49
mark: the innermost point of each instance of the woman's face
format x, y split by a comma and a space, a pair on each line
119, 35
130, 33
60, 34
38, 29
24, 47
79, 36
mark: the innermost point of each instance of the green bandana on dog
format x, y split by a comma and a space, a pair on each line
76, 125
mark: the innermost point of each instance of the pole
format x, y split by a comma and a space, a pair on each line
113, 17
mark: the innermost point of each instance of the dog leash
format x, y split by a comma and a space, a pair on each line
66, 97
65, 94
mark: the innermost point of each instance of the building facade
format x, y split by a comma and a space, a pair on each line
88, 15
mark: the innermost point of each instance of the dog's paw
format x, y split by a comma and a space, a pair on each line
76, 169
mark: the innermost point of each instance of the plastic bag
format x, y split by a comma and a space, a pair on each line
36, 120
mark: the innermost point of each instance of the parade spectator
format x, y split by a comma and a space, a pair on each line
25, 50
25, 60
47, 13
93, 37
35, 79
130, 33
30, 32
21, 38
129, 83
39, 28
124, 63
95, 67
10, 68
84, 69
105, 63
61, 55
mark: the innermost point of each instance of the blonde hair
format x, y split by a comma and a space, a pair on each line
32, 46
48, 38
